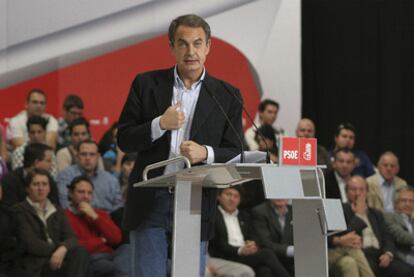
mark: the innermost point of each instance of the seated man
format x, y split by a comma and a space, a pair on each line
383, 184
217, 267
267, 112
345, 138
36, 155
35, 105
377, 244
106, 193
72, 109
342, 167
93, 227
273, 229
400, 225
36, 127
51, 247
233, 241
306, 129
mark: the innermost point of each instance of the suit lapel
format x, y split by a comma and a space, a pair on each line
163, 91
274, 219
204, 106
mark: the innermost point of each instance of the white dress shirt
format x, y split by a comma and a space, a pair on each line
234, 233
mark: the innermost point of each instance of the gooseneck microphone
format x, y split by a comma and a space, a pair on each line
228, 121
250, 118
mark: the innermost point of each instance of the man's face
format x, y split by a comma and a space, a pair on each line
36, 104
229, 199
47, 161
37, 133
405, 203
305, 129
82, 192
269, 115
345, 138
280, 203
88, 157
39, 188
72, 114
388, 167
79, 133
344, 163
356, 189
190, 50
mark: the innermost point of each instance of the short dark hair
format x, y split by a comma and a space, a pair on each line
87, 141
266, 131
343, 150
129, 157
344, 126
189, 20
35, 90
33, 173
37, 120
77, 122
34, 152
72, 100
265, 103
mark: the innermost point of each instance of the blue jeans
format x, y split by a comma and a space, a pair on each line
149, 242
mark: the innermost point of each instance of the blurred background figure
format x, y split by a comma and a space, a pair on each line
72, 109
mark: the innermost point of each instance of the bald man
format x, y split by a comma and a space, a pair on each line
306, 129
383, 184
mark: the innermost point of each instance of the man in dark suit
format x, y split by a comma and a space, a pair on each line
342, 166
235, 241
377, 244
168, 113
273, 229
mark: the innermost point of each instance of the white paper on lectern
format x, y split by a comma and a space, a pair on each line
249, 157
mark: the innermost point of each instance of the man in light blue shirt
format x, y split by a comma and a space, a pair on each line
106, 193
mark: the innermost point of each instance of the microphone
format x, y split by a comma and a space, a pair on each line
250, 118
228, 120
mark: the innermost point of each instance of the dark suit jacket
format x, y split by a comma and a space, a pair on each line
32, 232
331, 186
376, 219
150, 95
268, 230
14, 190
219, 246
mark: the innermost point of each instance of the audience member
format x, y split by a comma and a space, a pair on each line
383, 184
11, 249
268, 110
217, 267
127, 164
336, 178
377, 244
3, 146
72, 109
345, 138
306, 129
233, 238
93, 228
35, 105
110, 152
272, 222
401, 227
106, 194
51, 247
36, 155
36, 127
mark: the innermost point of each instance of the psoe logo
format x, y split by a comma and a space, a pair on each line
307, 155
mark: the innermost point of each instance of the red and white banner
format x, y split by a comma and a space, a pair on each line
298, 151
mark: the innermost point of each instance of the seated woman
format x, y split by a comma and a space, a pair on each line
51, 245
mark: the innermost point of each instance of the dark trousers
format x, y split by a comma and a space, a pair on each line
75, 264
396, 268
265, 263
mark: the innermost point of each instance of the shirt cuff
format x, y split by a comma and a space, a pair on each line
156, 131
210, 154
239, 250
290, 251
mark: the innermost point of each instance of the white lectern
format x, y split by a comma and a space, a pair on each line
313, 215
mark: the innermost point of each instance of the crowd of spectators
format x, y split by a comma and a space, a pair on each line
62, 196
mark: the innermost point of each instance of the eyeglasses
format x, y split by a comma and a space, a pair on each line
86, 154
